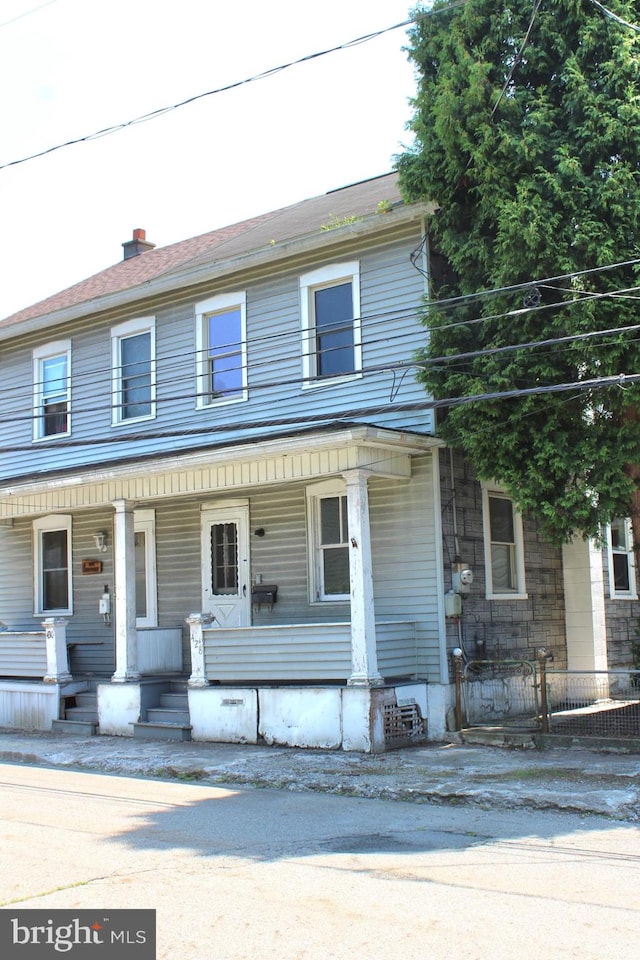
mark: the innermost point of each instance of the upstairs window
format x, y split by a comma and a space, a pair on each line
52, 565
52, 391
133, 359
330, 313
221, 349
621, 560
503, 545
328, 541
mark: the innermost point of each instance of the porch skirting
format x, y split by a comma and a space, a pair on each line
323, 717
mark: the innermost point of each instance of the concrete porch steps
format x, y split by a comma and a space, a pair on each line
169, 719
80, 714
497, 736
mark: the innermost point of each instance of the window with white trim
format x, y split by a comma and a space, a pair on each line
328, 541
133, 347
144, 526
621, 560
503, 546
52, 565
221, 344
331, 330
52, 390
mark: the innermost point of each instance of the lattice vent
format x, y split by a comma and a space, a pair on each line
402, 724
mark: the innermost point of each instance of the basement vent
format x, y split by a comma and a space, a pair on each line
403, 725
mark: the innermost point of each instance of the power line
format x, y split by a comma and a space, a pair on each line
153, 114
97, 380
614, 16
27, 13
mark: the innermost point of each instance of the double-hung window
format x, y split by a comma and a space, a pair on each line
133, 370
330, 314
503, 545
52, 565
52, 390
328, 541
621, 559
221, 349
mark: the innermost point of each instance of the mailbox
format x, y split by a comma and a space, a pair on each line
264, 594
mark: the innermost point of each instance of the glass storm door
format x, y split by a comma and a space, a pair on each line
226, 587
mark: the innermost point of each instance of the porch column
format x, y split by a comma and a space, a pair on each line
125, 593
197, 622
55, 638
584, 606
364, 660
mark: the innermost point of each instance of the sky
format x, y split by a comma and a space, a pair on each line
69, 68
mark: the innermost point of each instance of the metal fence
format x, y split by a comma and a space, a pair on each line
531, 696
603, 703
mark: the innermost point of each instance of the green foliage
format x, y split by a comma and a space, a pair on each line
534, 161
335, 222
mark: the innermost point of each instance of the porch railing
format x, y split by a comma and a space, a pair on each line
306, 653
36, 655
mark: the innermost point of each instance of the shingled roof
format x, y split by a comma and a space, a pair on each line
277, 226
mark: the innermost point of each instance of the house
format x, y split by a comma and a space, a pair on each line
224, 511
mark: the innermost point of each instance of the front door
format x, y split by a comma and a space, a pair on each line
226, 586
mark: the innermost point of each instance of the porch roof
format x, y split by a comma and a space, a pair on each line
308, 453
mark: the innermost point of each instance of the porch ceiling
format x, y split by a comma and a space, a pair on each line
379, 452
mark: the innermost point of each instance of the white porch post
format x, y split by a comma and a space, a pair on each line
364, 661
197, 623
584, 605
55, 638
125, 594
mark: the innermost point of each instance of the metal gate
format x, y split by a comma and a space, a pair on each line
492, 692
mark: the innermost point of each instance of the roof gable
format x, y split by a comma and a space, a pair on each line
235, 240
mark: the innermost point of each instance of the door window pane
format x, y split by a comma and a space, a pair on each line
224, 558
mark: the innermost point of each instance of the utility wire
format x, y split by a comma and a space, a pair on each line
27, 13
614, 16
153, 114
96, 380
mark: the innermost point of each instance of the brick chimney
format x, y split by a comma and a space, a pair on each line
137, 245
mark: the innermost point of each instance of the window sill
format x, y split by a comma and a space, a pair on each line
223, 402
133, 420
507, 596
52, 438
317, 383
623, 596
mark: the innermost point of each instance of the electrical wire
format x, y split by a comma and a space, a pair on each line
614, 16
100, 380
27, 13
161, 111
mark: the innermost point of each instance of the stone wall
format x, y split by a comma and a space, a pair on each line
499, 629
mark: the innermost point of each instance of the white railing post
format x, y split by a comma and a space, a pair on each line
197, 623
55, 639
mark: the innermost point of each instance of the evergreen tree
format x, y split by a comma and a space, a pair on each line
527, 136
